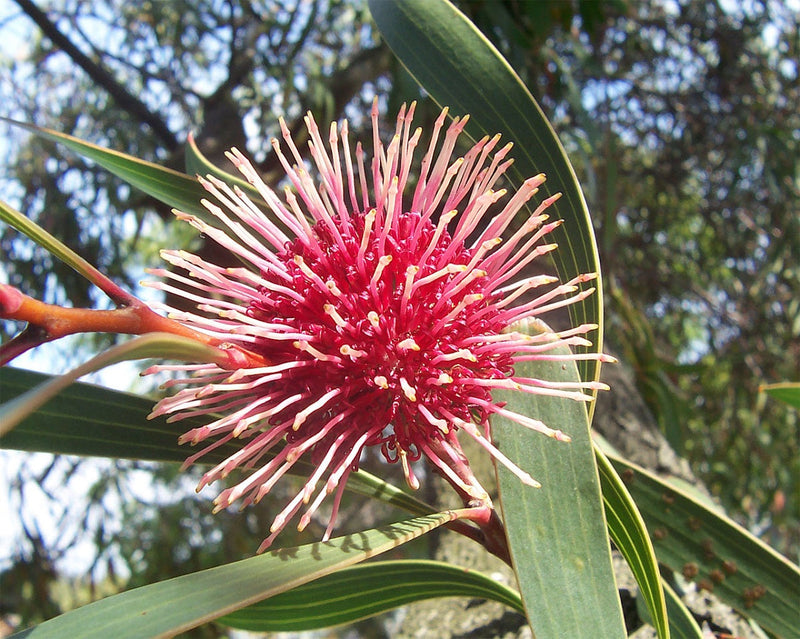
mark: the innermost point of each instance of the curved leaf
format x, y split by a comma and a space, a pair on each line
366, 590
144, 346
90, 420
628, 531
692, 538
175, 189
470, 76
167, 608
54, 246
682, 624
557, 533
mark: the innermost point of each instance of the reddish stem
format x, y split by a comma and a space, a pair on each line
47, 322
491, 534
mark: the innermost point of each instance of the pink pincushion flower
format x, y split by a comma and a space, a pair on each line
383, 318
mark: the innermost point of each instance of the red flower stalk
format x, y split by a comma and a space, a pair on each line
385, 318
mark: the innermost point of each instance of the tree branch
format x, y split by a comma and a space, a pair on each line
124, 99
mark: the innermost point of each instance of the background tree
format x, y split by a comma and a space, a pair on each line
682, 120
680, 117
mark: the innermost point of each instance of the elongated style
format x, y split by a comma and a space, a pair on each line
382, 300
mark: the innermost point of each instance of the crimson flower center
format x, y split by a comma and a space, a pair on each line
385, 320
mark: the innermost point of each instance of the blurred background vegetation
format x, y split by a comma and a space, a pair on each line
680, 117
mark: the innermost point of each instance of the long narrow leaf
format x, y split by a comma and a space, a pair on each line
366, 590
628, 531
471, 77
144, 346
682, 624
175, 189
171, 187
557, 533
57, 248
90, 420
691, 538
167, 608
788, 392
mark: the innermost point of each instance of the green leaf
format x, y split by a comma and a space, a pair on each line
162, 345
366, 590
471, 77
175, 189
90, 420
692, 538
627, 529
788, 392
557, 533
36, 233
198, 164
169, 607
682, 624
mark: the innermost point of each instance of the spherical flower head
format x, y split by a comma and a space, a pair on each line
382, 302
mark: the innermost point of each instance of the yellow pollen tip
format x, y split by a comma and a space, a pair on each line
373, 318
381, 381
408, 390
344, 349
333, 288
240, 428
408, 345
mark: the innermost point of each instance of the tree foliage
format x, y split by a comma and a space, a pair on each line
140, 78
682, 118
